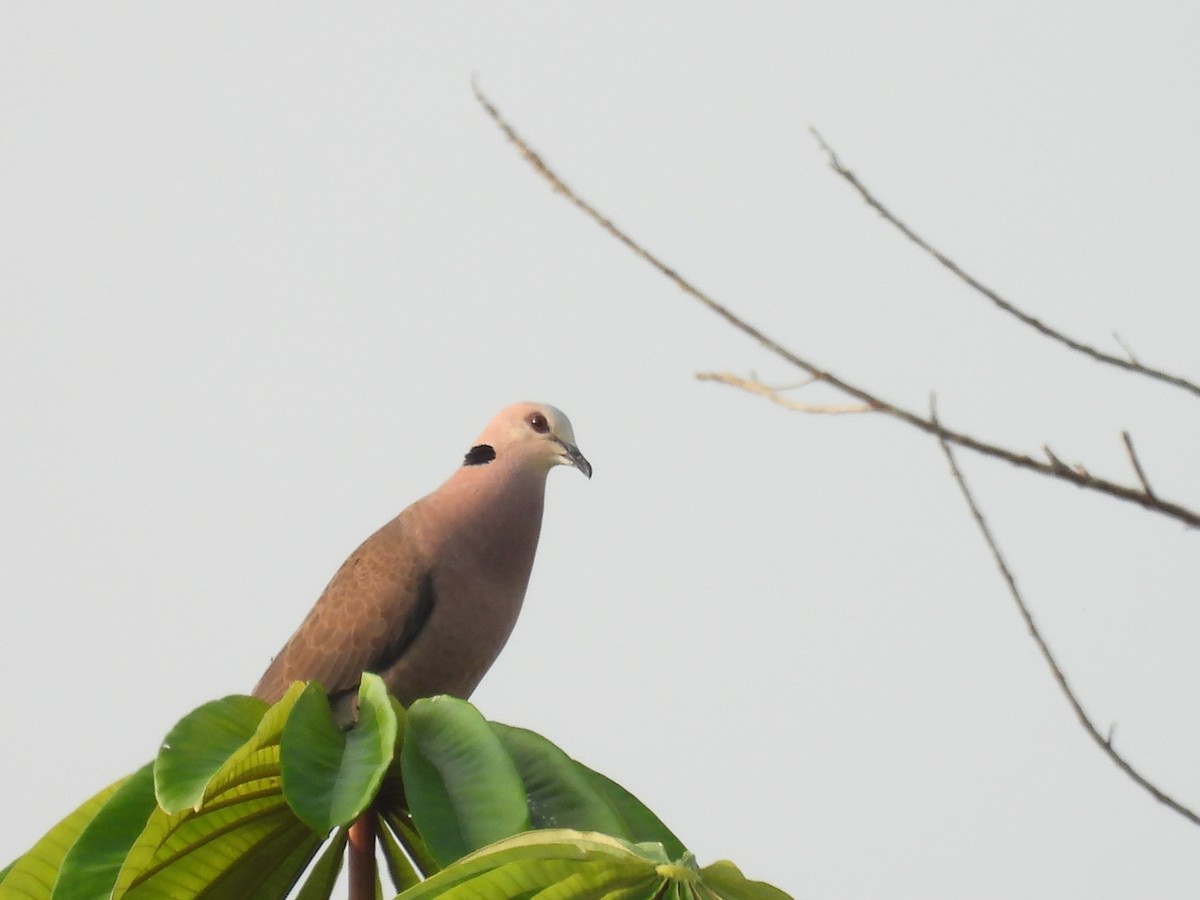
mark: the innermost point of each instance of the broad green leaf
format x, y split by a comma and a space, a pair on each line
262, 859
90, 867
229, 848
640, 823
32, 876
258, 757
244, 840
463, 789
564, 793
551, 864
724, 878
323, 876
270, 869
560, 793
200, 745
576, 865
331, 775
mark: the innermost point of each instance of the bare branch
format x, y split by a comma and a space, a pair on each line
1080, 479
1055, 463
1104, 742
1130, 364
754, 386
1137, 465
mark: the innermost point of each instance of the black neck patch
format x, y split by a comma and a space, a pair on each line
479, 455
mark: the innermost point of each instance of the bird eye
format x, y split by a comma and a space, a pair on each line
538, 423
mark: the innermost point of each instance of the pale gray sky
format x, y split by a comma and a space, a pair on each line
267, 269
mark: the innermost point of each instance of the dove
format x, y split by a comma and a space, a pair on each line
428, 601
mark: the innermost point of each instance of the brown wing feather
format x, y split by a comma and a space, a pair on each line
369, 614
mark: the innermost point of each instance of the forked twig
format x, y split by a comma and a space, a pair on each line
1077, 476
1137, 464
1103, 742
1128, 363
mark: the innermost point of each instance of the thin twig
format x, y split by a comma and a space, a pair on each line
1126, 348
790, 386
1137, 465
1055, 463
1102, 741
1130, 364
1123, 492
754, 386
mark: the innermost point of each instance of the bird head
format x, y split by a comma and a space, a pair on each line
537, 434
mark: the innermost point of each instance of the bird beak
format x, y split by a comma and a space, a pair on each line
572, 457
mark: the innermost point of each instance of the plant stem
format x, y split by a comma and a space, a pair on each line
362, 856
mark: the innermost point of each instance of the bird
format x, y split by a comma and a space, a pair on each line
428, 601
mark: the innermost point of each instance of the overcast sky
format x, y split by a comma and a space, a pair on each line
266, 270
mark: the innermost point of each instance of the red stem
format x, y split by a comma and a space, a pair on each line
362, 857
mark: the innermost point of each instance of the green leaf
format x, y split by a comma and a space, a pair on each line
257, 758
564, 793
391, 789
724, 878
274, 857
559, 792
640, 823
399, 826
551, 864
90, 867
463, 789
244, 840
32, 876
404, 852
199, 746
331, 775
579, 865
401, 869
323, 876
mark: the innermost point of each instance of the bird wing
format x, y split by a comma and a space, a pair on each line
373, 609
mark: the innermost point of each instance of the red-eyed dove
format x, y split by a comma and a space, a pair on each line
429, 600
